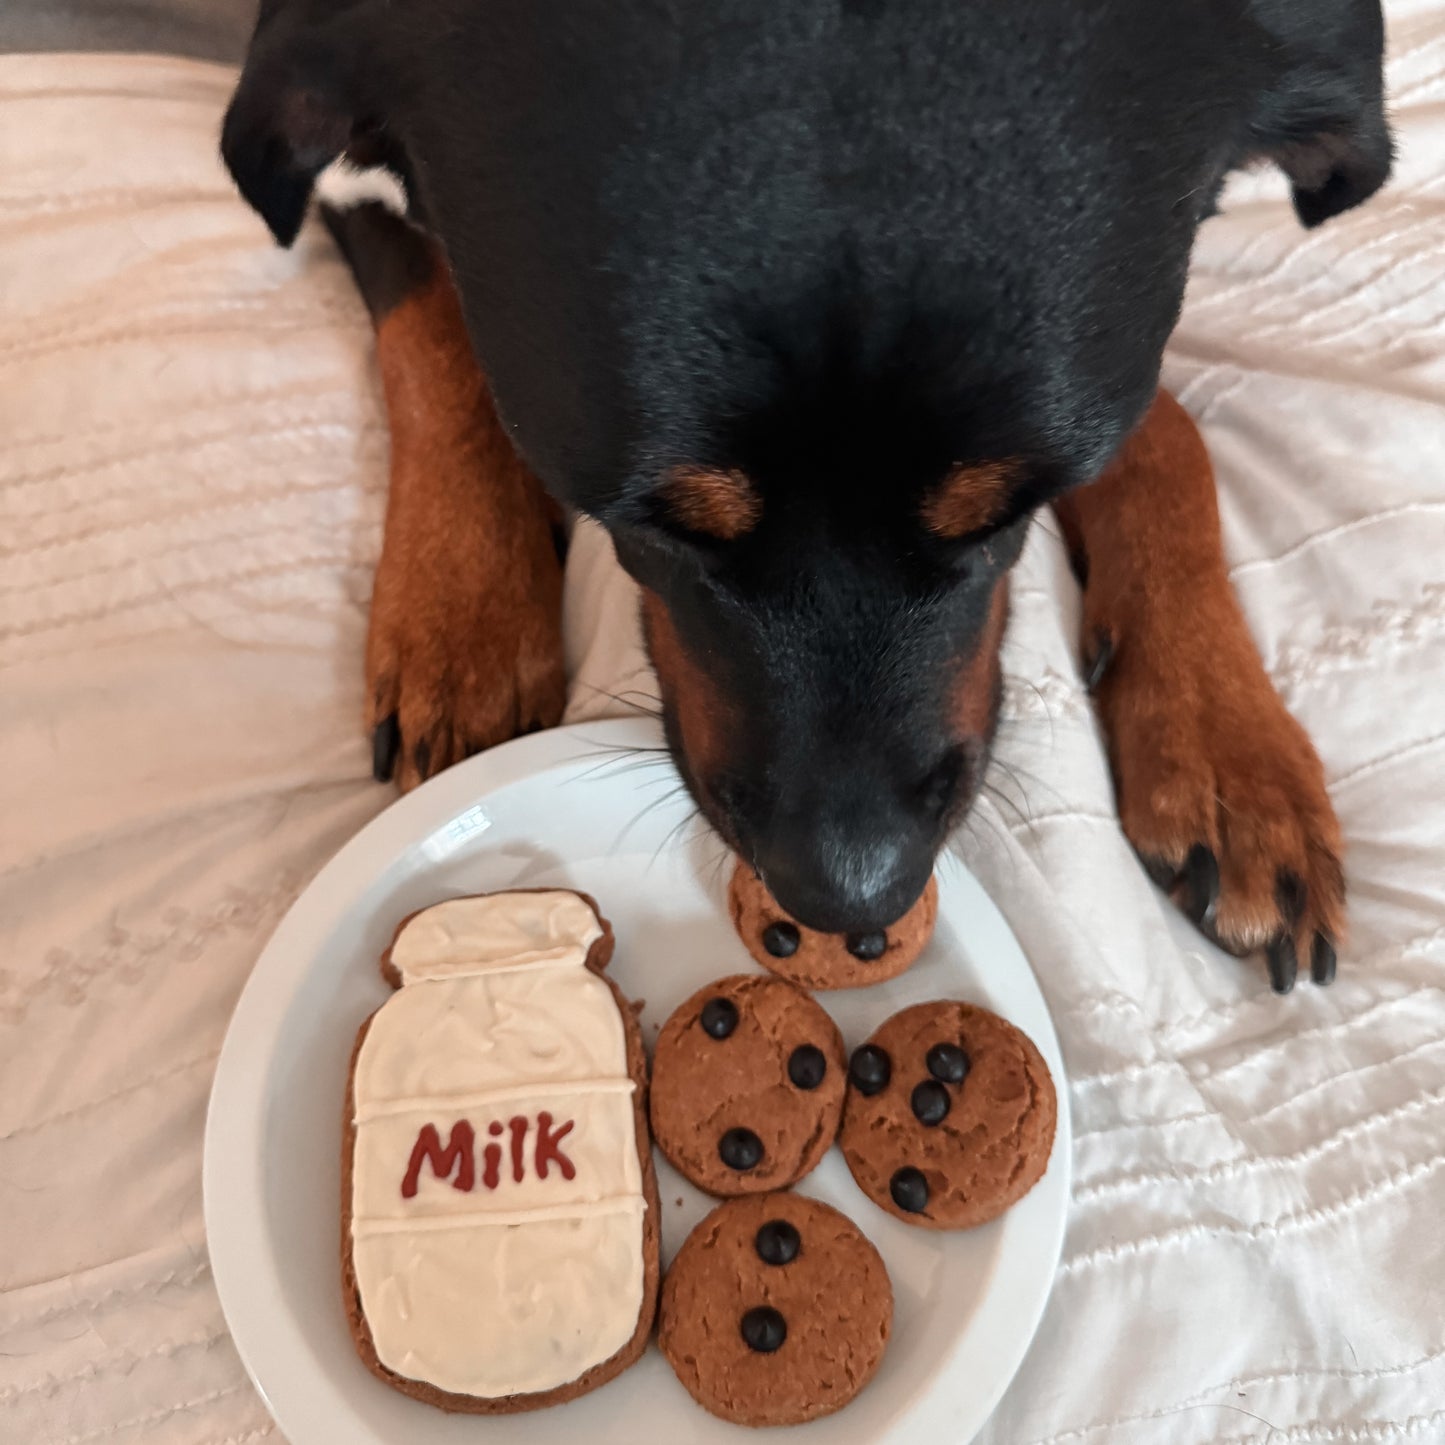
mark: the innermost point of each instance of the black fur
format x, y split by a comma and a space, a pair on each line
390, 259
841, 246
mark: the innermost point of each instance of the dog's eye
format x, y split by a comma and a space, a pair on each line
657, 555
986, 554
941, 785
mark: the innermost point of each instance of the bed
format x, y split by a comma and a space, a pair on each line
192, 472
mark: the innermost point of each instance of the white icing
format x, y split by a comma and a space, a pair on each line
490, 1097
515, 1309
473, 935
626, 1204
460, 1036
510, 1286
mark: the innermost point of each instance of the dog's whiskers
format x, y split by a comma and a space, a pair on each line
626, 758
649, 705
1016, 771
648, 808
690, 816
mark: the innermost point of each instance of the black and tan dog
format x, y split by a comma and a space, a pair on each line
813, 305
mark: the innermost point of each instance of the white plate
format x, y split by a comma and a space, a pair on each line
577, 808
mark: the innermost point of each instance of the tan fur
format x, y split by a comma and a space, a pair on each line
1203, 749
968, 499
465, 644
698, 705
975, 690
719, 504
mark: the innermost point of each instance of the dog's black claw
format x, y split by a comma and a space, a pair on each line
1200, 880
1291, 895
385, 744
1098, 662
1162, 873
421, 756
1322, 960
1283, 964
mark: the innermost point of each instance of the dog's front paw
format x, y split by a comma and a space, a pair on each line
465, 645
1220, 790
459, 657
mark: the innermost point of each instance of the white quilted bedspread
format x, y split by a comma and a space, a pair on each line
192, 465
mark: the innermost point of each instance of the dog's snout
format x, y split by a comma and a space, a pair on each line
839, 880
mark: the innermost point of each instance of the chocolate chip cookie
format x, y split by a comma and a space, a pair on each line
776, 1310
826, 960
950, 1115
748, 1079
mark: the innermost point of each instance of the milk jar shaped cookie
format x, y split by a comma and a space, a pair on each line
500, 1219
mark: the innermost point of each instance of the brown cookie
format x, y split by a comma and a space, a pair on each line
496, 1111
950, 1115
748, 1079
776, 1310
826, 960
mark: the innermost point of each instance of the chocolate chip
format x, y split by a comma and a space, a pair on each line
719, 1017
764, 1329
947, 1063
781, 940
930, 1102
777, 1242
909, 1190
869, 1070
867, 946
740, 1149
807, 1065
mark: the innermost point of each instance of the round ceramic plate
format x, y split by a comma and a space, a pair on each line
596, 807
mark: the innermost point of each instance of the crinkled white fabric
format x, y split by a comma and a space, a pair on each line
192, 464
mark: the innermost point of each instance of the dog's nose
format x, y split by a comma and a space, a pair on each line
839, 882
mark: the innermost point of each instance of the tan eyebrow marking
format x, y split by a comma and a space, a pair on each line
719, 504
969, 498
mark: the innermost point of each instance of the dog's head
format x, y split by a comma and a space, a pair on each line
813, 314
824, 597
830, 687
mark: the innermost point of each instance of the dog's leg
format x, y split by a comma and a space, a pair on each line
465, 643
1219, 789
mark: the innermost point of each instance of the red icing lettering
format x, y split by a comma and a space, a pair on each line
492, 1156
428, 1149
519, 1135
548, 1149
459, 1153
492, 1165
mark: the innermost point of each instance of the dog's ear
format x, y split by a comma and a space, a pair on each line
300, 103
1323, 119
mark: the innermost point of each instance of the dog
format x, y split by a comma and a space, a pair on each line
814, 306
